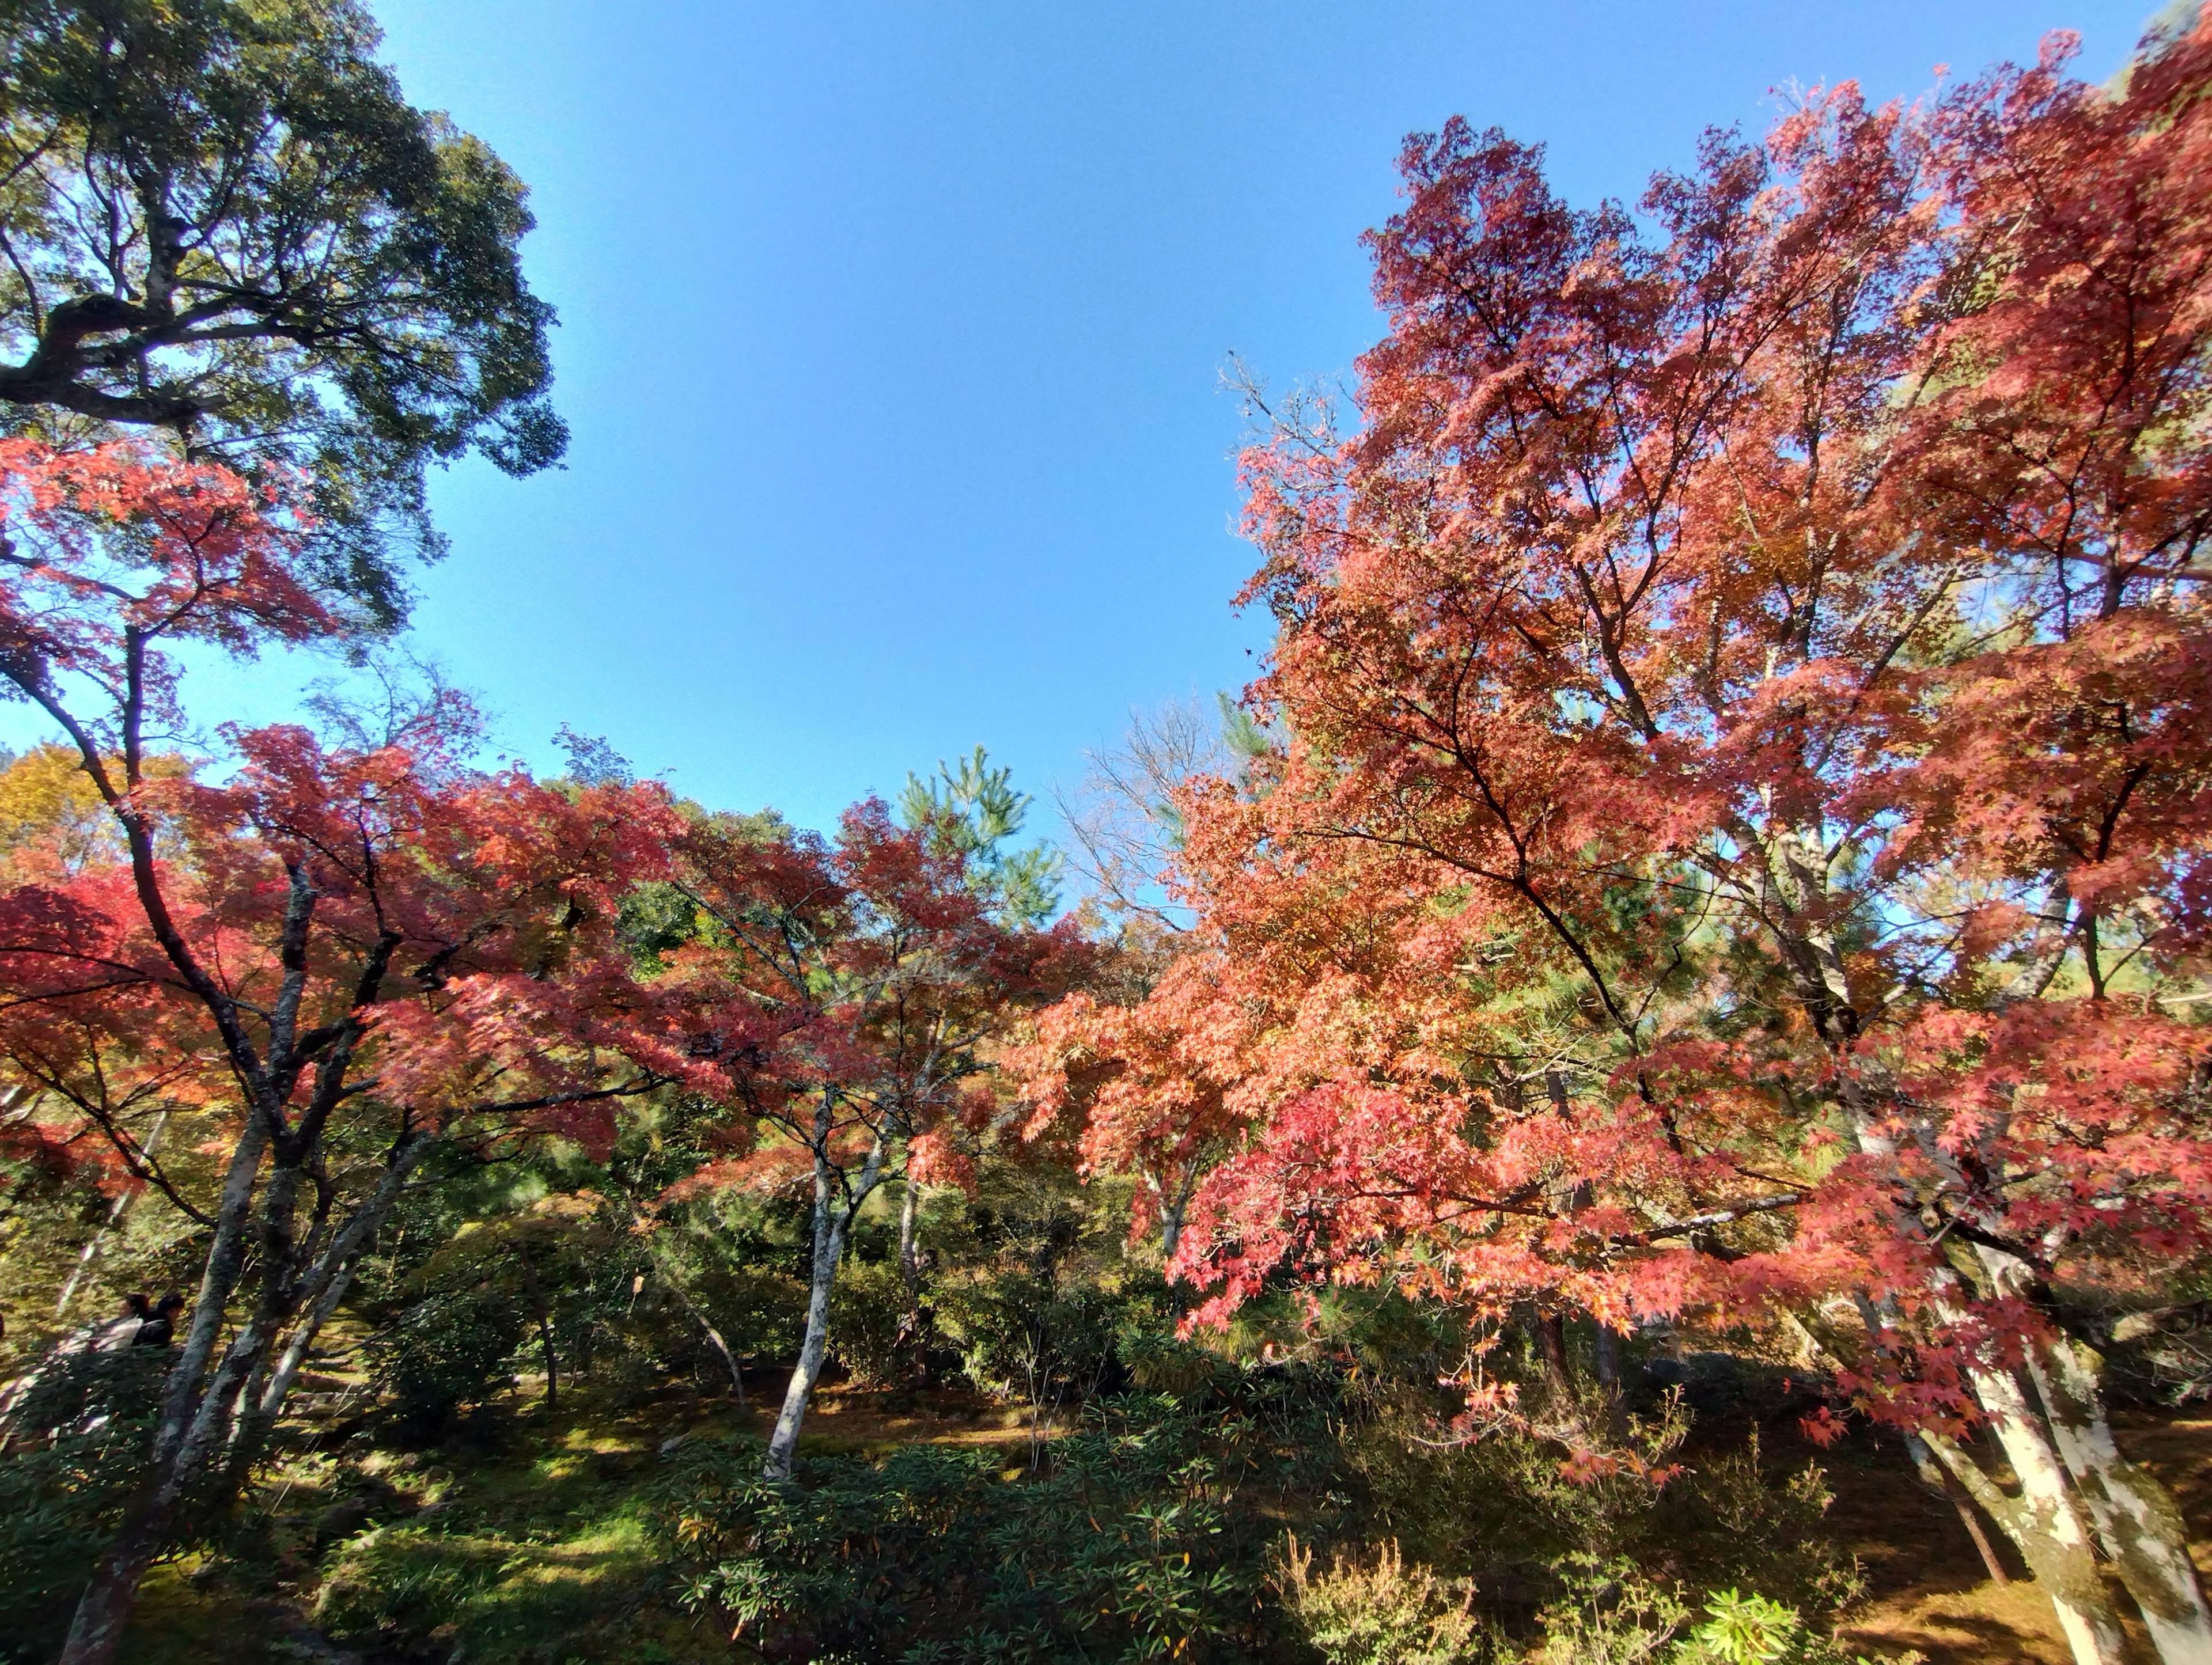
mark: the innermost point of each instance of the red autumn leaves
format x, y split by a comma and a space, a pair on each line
1738, 832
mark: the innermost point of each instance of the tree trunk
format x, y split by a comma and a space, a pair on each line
1605, 1357
103, 1612
829, 1249
322, 1289
2046, 1522
543, 1309
1971, 1518
257, 1419
915, 1326
830, 1225
1174, 1209
552, 1369
121, 1206
2136, 1519
242, 1371
2049, 1523
699, 1317
1938, 1478
729, 1358
1552, 1343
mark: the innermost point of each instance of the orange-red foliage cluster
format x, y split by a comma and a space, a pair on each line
1747, 760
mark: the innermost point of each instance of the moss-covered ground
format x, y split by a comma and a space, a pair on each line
522, 1542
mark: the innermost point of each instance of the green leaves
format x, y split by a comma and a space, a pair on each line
1747, 1630
224, 219
973, 811
1129, 1546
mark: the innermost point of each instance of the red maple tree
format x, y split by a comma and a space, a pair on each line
336, 963
838, 997
1737, 849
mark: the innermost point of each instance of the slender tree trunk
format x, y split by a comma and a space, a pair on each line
915, 1326
322, 1290
257, 1419
729, 1358
121, 1206
2053, 1518
1552, 1343
1605, 1357
1936, 1477
1174, 1209
1605, 1367
104, 1610
675, 1284
715, 1336
244, 1361
552, 1369
829, 1249
239, 1372
2046, 1522
831, 1222
543, 1309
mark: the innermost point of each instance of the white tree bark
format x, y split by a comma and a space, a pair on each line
2045, 1520
833, 1220
2137, 1522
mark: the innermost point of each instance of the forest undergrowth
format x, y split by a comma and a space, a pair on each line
1084, 1486
547, 1543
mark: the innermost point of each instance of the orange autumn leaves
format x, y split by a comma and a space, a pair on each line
465, 925
1738, 837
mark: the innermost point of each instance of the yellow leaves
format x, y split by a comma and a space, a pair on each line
53, 819
563, 1205
46, 797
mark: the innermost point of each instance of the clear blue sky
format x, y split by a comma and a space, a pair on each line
891, 333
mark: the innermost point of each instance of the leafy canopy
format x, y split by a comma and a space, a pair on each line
220, 218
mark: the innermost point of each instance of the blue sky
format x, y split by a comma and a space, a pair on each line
892, 334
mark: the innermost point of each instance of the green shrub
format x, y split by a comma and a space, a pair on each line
1751, 1630
1138, 1542
534, 1599
401, 1581
1611, 1614
92, 1414
1506, 1511
1726, 1521
867, 1305
444, 1352
1037, 1341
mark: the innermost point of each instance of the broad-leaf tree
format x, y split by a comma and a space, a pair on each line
839, 996
1737, 847
223, 221
1154, 1086
331, 962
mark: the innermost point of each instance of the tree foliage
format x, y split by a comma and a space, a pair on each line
223, 219
330, 955
1737, 847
